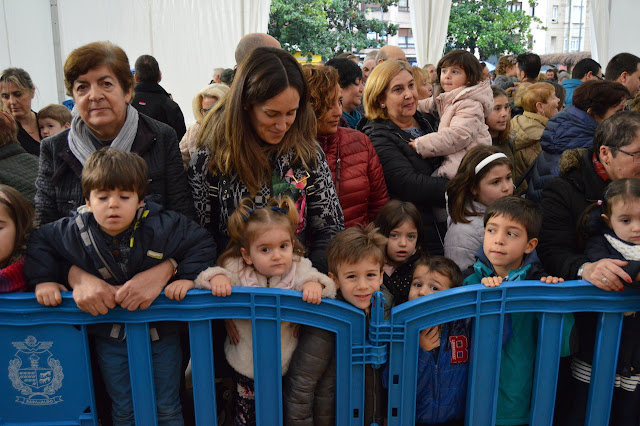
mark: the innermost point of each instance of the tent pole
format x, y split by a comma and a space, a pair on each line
57, 51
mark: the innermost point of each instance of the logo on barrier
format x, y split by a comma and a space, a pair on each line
35, 372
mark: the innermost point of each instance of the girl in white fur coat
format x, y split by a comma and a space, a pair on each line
263, 252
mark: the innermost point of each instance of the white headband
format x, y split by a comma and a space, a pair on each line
481, 165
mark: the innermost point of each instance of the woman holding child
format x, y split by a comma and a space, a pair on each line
390, 102
584, 176
259, 142
99, 78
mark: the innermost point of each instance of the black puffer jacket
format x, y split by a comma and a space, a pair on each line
310, 383
564, 199
58, 189
153, 101
408, 175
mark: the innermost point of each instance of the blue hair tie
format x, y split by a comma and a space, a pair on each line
246, 217
278, 209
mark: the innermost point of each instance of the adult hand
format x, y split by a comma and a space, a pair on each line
91, 294
141, 290
430, 338
48, 293
606, 274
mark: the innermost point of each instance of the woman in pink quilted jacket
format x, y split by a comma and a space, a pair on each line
357, 173
463, 107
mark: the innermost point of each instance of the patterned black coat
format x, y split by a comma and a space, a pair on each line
216, 198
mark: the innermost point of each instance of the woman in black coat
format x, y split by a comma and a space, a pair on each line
392, 121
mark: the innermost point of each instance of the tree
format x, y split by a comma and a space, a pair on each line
489, 26
327, 27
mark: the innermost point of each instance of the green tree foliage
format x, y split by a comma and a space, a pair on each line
326, 27
489, 26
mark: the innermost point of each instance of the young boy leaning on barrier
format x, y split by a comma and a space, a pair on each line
511, 228
356, 259
115, 237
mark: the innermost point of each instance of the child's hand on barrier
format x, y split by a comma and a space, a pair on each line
232, 331
178, 289
312, 292
430, 338
92, 294
48, 293
220, 285
144, 287
491, 281
551, 280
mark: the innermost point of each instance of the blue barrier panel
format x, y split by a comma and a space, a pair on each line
49, 376
21, 316
487, 307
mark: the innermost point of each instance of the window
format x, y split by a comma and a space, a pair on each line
405, 39
532, 10
552, 44
515, 6
575, 44
577, 16
403, 6
554, 14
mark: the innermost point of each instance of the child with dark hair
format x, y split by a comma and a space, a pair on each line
16, 216
612, 226
401, 223
463, 107
444, 353
116, 237
511, 228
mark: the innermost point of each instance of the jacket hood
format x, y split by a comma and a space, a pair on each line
571, 83
528, 127
571, 159
569, 129
481, 92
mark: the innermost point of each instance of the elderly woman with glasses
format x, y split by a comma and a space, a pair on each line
202, 103
584, 176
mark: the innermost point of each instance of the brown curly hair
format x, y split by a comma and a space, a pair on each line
322, 81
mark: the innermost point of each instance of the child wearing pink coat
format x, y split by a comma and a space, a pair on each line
463, 107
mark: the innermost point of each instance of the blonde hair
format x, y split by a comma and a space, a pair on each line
537, 92
247, 222
377, 84
215, 90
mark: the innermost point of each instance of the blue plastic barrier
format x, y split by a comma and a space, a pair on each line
49, 379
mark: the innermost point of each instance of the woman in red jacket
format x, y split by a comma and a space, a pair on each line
357, 173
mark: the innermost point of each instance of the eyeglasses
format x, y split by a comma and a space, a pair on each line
636, 156
205, 111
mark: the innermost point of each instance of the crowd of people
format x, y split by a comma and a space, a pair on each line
337, 180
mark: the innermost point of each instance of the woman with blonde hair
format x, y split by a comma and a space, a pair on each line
17, 91
425, 89
259, 142
540, 103
392, 121
203, 101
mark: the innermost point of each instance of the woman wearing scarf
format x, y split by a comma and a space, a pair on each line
98, 77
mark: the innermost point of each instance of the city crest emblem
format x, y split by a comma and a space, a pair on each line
35, 372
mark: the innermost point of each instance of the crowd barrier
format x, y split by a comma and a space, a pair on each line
45, 350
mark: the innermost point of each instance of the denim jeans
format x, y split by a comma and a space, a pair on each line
114, 364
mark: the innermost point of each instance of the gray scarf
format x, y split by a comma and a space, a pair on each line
80, 140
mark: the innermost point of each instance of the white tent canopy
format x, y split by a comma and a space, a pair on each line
188, 38
191, 37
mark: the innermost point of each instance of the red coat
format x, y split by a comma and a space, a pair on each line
357, 175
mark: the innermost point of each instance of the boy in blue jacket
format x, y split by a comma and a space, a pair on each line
511, 228
443, 357
115, 237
